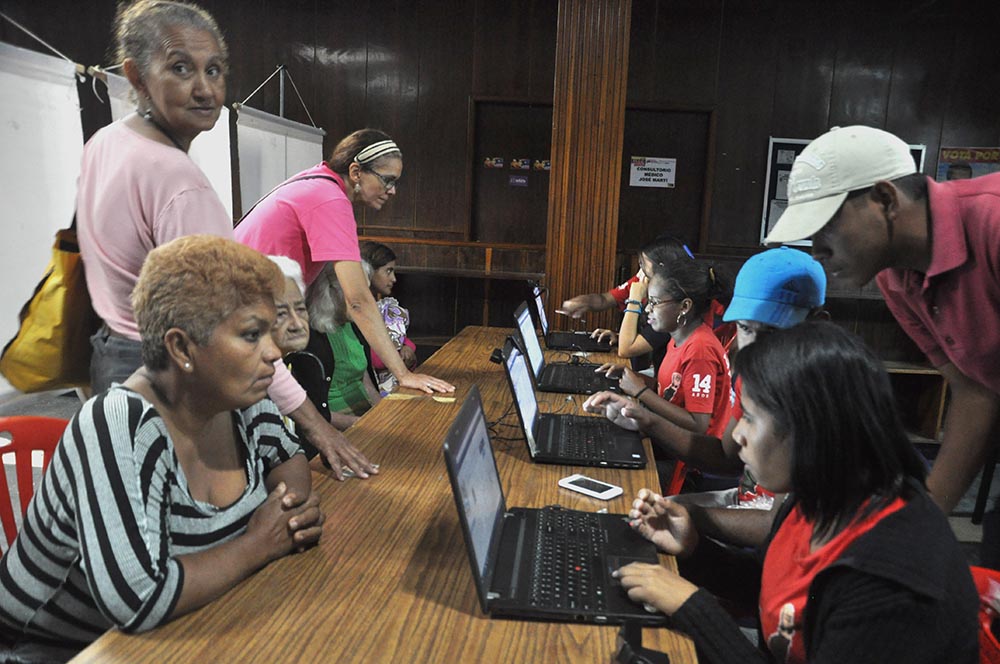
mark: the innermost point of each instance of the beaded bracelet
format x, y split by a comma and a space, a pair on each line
628, 302
633, 311
639, 393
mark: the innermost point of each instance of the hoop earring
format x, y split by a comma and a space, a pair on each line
682, 319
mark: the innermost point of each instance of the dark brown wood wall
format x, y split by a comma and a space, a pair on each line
927, 70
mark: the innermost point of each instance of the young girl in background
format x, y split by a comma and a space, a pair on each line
379, 263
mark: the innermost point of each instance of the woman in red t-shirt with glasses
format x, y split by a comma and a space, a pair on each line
860, 565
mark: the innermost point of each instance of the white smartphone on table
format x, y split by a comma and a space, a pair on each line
590, 487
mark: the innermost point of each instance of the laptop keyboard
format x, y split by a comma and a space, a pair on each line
568, 567
573, 376
583, 438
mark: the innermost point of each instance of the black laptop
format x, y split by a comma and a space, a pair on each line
576, 440
572, 378
549, 563
559, 340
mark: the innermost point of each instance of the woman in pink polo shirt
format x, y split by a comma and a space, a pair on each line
310, 219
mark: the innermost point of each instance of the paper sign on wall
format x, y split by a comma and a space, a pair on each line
653, 172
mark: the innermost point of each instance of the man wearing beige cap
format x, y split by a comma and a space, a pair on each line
934, 250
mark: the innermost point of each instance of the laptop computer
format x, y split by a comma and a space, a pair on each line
556, 376
550, 563
559, 340
576, 440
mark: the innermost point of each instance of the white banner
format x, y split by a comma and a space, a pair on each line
42, 139
271, 150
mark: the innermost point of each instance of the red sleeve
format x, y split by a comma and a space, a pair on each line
737, 411
699, 385
620, 293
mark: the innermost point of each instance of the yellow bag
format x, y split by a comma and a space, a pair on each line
52, 347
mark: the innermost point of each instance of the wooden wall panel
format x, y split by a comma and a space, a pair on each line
674, 53
972, 117
863, 69
746, 99
502, 212
437, 161
804, 69
514, 57
588, 123
645, 212
919, 74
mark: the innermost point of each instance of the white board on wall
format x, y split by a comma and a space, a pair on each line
210, 150
42, 138
272, 149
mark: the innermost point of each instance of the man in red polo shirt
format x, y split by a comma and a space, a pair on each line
934, 250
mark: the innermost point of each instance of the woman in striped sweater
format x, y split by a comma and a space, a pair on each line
168, 490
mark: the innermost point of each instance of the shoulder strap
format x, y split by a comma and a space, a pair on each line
304, 177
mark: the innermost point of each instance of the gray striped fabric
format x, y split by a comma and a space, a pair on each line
98, 547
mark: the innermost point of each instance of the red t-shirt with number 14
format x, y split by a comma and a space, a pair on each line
695, 376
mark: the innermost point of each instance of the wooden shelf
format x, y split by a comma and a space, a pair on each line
470, 274
910, 368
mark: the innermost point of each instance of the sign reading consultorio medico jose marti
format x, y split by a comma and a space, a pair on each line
652, 172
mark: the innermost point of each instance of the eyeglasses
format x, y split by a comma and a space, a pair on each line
652, 303
387, 181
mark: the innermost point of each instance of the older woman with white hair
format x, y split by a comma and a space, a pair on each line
291, 326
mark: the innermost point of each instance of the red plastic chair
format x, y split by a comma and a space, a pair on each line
989, 648
26, 435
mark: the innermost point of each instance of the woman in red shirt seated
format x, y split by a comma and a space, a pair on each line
860, 565
692, 387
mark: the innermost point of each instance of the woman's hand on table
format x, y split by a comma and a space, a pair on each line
425, 383
285, 522
612, 406
655, 586
664, 523
306, 526
610, 369
602, 334
339, 454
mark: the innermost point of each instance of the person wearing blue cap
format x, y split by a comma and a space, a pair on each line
775, 289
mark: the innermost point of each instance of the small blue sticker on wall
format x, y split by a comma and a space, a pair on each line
518, 181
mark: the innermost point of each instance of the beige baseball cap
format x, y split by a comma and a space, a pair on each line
842, 160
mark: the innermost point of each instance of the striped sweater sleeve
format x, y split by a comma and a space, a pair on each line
121, 483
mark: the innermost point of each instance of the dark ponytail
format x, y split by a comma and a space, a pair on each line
698, 280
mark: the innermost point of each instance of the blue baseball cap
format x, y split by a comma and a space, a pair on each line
778, 287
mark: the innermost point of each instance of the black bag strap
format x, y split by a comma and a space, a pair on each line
304, 177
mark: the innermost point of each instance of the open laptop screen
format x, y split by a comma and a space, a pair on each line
540, 307
524, 392
530, 338
476, 480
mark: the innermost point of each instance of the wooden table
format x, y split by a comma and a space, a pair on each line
390, 580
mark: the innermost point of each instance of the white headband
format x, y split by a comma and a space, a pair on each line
374, 151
